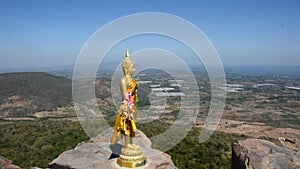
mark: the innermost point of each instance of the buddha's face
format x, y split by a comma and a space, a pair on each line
130, 70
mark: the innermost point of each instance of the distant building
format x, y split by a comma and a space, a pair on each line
176, 81
145, 82
163, 89
293, 88
168, 94
263, 84
152, 86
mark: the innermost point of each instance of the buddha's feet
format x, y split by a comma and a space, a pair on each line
133, 146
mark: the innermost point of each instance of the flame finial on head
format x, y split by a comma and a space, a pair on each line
127, 53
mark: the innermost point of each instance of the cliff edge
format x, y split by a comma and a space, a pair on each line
96, 154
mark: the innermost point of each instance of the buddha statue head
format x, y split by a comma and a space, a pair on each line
128, 65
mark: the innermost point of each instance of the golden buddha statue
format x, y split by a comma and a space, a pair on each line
125, 125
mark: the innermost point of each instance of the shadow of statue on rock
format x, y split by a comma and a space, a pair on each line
116, 150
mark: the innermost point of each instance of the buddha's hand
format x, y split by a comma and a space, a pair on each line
130, 116
125, 101
124, 110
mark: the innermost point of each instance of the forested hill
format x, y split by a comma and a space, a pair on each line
24, 93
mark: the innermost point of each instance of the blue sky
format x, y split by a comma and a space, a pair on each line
51, 33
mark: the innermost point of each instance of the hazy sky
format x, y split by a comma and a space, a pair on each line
51, 33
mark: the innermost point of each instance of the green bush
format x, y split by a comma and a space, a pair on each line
38, 143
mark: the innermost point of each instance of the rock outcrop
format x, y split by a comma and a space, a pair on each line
262, 154
7, 164
96, 154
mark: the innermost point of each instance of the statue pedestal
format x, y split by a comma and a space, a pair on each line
131, 158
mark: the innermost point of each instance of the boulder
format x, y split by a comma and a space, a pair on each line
262, 154
96, 154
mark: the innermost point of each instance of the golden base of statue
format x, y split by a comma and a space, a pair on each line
131, 157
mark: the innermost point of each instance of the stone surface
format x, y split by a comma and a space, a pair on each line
7, 164
96, 154
262, 154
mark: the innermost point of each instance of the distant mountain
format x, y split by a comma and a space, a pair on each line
39, 69
24, 93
